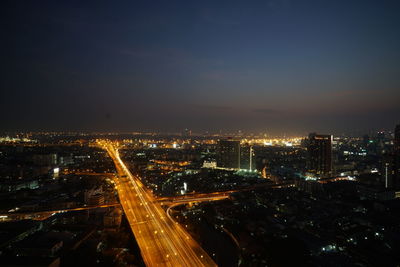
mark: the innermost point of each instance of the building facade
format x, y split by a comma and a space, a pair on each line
396, 180
228, 154
319, 150
247, 157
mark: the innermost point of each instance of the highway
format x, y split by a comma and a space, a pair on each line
162, 241
44, 214
180, 201
198, 197
219, 195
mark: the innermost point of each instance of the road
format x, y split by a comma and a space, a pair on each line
162, 241
218, 195
44, 214
181, 201
198, 197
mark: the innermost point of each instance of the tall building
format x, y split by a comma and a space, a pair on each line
246, 157
228, 154
319, 149
387, 170
366, 141
397, 138
396, 180
187, 133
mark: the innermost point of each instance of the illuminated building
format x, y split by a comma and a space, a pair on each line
397, 138
228, 154
209, 164
56, 173
387, 173
15, 185
396, 182
319, 148
246, 157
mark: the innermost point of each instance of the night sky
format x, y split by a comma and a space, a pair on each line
277, 66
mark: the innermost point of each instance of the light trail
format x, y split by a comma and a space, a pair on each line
44, 214
161, 241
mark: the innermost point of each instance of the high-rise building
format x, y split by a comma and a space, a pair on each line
387, 171
397, 138
246, 157
366, 141
187, 133
319, 148
228, 154
396, 180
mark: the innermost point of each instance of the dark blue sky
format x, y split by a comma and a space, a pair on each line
281, 66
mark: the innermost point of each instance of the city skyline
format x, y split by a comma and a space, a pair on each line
200, 133
277, 67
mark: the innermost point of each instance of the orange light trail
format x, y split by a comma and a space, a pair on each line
162, 241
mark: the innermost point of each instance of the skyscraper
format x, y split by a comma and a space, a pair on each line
387, 171
397, 138
396, 182
246, 157
319, 148
228, 154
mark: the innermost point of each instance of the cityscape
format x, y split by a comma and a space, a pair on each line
232, 133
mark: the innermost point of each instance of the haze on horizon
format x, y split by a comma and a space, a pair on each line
278, 66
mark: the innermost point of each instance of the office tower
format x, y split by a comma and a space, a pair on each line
246, 157
228, 154
319, 148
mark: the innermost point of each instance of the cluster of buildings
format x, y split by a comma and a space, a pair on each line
279, 193
378, 164
231, 154
315, 160
337, 228
59, 203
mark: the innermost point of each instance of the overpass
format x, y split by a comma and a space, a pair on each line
44, 214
